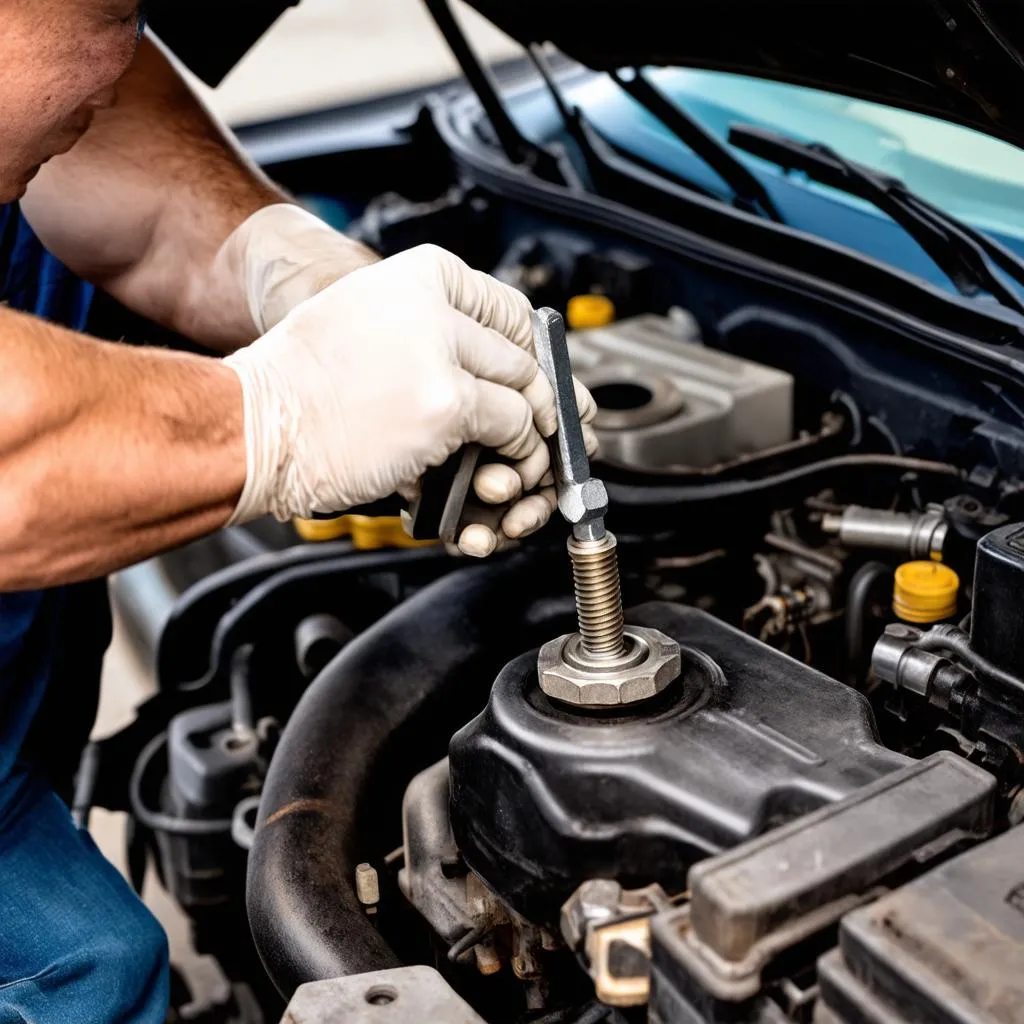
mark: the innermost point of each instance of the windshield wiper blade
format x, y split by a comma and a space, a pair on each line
965, 255
604, 162
749, 191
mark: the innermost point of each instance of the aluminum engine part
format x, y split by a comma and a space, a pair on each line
665, 400
897, 661
427, 880
468, 917
916, 535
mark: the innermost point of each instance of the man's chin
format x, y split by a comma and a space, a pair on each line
12, 192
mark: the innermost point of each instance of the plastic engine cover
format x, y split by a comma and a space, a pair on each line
948, 947
545, 797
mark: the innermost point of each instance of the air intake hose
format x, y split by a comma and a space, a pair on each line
441, 647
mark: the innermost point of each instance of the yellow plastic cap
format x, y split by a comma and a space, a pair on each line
584, 311
320, 530
368, 533
925, 592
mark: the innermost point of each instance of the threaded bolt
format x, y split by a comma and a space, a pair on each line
595, 570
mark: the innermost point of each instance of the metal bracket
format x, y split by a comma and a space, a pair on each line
404, 995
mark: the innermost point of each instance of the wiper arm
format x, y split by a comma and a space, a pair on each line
750, 193
515, 145
605, 169
965, 255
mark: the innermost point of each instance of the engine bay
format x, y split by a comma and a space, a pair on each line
814, 482
845, 724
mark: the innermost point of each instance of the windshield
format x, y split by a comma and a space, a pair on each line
970, 175
975, 178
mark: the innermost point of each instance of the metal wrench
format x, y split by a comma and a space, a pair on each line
582, 498
446, 504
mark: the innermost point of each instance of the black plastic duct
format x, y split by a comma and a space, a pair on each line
438, 649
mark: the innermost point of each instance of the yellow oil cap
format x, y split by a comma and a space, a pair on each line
583, 311
320, 530
925, 592
368, 533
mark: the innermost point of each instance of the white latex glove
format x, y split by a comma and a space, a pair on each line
286, 255
500, 484
384, 374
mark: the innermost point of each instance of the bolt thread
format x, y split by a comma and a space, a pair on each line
595, 570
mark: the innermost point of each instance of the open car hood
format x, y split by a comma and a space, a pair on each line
960, 60
211, 38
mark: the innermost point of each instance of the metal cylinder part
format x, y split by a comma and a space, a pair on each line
918, 535
367, 885
595, 570
318, 638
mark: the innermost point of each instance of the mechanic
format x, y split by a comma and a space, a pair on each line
360, 375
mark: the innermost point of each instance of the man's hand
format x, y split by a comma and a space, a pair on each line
193, 236
360, 390
286, 256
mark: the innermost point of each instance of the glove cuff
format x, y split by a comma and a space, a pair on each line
288, 255
270, 424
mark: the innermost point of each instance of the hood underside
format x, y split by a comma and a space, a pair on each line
211, 38
959, 60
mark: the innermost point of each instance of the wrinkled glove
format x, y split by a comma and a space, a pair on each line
288, 255
385, 373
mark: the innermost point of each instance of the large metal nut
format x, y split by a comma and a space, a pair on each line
582, 502
650, 663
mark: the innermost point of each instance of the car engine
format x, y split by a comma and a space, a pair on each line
761, 837
372, 798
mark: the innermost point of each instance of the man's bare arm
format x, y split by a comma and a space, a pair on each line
108, 454
143, 204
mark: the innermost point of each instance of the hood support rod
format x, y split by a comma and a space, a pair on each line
514, 144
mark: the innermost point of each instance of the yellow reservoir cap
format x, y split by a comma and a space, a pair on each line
925, 592
585, 311
368, 533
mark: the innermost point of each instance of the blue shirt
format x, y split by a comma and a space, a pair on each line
31, 279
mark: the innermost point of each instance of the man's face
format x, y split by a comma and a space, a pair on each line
59, 63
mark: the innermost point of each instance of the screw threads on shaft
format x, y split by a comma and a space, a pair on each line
595, 569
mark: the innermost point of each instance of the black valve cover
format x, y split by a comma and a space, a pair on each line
545, 797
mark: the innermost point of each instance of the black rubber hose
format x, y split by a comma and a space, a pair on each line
444, 643
862, 585
698, 495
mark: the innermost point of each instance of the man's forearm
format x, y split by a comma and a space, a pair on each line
144, 202
147, 205
108, 454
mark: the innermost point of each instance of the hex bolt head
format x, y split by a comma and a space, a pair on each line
651, 663
583, 502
